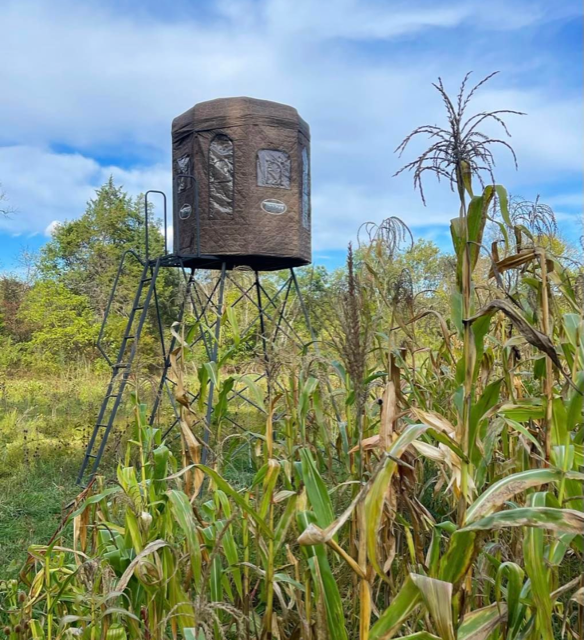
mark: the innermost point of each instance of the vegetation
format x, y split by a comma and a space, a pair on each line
415, 474
52, 317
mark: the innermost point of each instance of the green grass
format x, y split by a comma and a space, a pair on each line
31, 503
44, 423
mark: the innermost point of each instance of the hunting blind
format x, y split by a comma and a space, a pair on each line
242, 183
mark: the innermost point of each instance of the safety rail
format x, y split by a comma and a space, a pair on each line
110, 300
146, 248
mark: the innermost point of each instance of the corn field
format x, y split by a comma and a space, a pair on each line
417, 476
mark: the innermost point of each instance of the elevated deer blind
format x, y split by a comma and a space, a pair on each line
241, 170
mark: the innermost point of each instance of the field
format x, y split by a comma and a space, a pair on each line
42, 428
412, 470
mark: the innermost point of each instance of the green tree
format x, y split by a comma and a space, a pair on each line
430, 269
62, 324
13, 291
83, 255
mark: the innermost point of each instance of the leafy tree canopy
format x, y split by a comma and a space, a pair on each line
61, 323
84, 254
60, 314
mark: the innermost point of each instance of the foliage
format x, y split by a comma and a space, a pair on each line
13, 291
61, 323
83, 254
56, 315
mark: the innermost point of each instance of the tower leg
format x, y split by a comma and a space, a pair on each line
203, 307
263, 336
164, 383
207, 426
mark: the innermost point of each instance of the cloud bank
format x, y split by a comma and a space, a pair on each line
91, 89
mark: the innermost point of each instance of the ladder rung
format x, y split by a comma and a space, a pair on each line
102, 425
146, 279
90, 455
113, 395
139, 308
129, 337
120, 366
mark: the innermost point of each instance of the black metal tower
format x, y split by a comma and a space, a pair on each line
208, 306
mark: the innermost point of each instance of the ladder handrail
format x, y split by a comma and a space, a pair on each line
110, 300
146, 248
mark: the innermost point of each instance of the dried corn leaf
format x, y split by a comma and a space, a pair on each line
514, 261
535, 338
388, 415
433, 420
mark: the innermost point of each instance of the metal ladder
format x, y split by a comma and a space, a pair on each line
121, 368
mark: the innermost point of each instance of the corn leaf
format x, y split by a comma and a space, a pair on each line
316, 489
475, 220
515, 575
183, 513
503, 490
536, 338
535, 566
377, 494
236, 497
401, 607
437, 596
487, 401
129, 572
479, 624
560, 520
323, 576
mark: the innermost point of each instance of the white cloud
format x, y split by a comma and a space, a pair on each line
340, 210
107, 82
53, 187
356, 20
52, 227
548, 137
83, 75
44, 186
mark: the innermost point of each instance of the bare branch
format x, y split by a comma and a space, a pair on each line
5, 209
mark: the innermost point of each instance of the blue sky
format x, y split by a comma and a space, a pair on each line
89, 89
